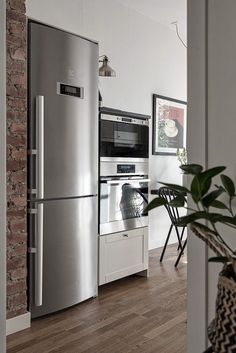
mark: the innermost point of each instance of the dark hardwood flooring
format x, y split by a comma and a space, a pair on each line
132, 315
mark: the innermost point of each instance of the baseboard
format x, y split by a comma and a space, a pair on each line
18, 323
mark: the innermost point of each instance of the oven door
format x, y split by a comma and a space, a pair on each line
122, 203
119, 139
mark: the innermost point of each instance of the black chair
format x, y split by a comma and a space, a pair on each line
173, 212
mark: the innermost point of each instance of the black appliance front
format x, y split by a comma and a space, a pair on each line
122, 139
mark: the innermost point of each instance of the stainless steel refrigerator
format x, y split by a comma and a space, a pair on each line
63, 169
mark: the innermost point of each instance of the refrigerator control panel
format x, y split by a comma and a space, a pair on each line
68, 90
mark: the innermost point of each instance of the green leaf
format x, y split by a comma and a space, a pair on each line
157, 202
202, 182
192, 217
178, 201
228, 185
196, 189
176, 187
211, 197
193, 169
206, 187
220, 259
213, 217
205, 178
219, 204
212, 172
227, 219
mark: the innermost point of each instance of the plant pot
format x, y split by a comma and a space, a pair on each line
222, 330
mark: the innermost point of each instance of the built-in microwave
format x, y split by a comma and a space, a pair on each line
123, 136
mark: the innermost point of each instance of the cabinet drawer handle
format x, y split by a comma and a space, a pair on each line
125, 235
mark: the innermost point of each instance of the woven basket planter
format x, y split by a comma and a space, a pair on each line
222, 330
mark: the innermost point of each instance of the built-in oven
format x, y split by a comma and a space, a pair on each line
123, 137
123, 196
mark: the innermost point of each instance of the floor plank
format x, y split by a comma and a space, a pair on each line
132, 315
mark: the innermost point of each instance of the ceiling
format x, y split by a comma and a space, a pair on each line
162, 11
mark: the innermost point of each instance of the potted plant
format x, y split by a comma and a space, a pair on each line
212, 207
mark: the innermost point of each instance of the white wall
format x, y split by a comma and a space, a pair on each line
2, 178
147, 57
211, 136
197, 153
221, 105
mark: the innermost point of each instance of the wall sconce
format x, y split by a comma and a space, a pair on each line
105, 70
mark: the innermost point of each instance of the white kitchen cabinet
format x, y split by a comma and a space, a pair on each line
122, 254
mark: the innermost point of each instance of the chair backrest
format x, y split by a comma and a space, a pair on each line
169, 195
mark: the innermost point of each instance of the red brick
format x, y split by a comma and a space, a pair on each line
16, 287
15, 165
16, 16
16, 300
18, 54
16, 28
18, 5
19, 154
19, 200
16, 238
14, 66
16, 103
16, 262
17, 225
11, 312
18, 127
16, 212
16, 141
13, 42
19, 273
16, 116
19, 176
18, 79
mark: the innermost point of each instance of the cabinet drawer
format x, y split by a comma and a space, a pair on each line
122, 254
109, 238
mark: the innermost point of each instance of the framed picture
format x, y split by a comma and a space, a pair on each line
169, 125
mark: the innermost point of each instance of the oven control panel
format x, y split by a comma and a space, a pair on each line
125, 168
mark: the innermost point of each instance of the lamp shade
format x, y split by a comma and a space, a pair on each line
105, 69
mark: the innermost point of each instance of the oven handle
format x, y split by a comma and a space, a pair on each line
113, 182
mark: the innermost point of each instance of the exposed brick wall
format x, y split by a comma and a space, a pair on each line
16, 158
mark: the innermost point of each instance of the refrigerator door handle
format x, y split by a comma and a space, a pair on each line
40, 146
39, 258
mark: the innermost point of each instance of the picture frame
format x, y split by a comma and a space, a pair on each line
169, 125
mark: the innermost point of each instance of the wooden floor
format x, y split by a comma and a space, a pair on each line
133, 315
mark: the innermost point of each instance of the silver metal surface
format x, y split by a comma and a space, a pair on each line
40, 146
121, 211
71, 124
125, 120
32, 250
124, 160
32, 152
108, 166
70, 229
63, 167
39, 258
32, 191
130, 181
33, 211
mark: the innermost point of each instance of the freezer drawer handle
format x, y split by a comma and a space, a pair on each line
40, 146
39, 258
